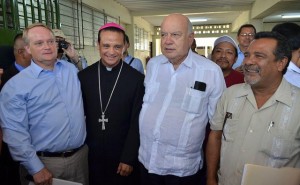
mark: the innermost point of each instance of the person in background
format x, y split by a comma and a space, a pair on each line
130, 60
9, 169
47, 135
1, 73
113, 96
225, 54
182, 90
22, 60
1, 135
292, 32
194, 46
67, 52
245, 36
256, 122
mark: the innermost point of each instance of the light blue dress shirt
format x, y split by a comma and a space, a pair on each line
18, 66
136, 63
292, 74
42, 110
239, 60
174, 114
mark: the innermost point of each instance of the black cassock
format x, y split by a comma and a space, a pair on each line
119, 142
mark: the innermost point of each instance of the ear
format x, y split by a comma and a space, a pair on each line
296, 57
282, 64
27, 48
191, 38
20, 51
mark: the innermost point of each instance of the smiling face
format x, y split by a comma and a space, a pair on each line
175, 38
245, 37
111, 47
224, 54
42, 46
261, 69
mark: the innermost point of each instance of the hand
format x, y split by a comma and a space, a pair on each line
124, 169
71, 53
43, 177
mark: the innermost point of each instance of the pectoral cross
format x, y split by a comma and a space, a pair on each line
103, 120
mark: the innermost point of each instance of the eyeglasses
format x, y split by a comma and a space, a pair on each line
247, 34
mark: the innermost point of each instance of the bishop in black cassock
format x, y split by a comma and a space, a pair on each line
119, 142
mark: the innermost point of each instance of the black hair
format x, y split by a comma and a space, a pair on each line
292, 33
246, 26
114, 29
18, 36
127, 39
282, 49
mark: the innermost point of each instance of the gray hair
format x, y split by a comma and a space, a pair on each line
190, 26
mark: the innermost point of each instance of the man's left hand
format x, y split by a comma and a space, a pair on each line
124, 169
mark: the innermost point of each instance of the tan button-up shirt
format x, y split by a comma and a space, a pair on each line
268, 136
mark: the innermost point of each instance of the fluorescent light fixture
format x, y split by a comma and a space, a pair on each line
198, 20
290, 16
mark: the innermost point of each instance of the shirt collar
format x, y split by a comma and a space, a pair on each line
282, 94
128, 57
239, 50
19, 67
37, 70
293, 67
187, 61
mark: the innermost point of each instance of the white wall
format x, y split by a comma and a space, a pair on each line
140, 22
116, 10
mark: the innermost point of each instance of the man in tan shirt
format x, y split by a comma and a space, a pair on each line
256, 122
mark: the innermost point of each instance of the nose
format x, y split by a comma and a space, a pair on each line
111, 50
249, 59
223, 55
168, 39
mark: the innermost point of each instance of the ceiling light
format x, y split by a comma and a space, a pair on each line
198, 20
290, 16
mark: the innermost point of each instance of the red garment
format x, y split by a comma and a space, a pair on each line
234, 77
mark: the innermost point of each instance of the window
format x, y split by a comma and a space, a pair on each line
141, 39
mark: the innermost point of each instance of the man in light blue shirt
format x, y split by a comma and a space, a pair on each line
130, 60
292, 32
182, 90
42, 113
245, 36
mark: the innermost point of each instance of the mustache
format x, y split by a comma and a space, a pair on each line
251, 68
222, 60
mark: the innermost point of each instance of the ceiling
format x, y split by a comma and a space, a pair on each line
215, 11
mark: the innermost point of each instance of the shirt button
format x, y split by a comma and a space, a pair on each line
251, 131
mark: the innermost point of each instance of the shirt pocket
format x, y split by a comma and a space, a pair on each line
193, 100
230, 129
150, 91
277, 147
